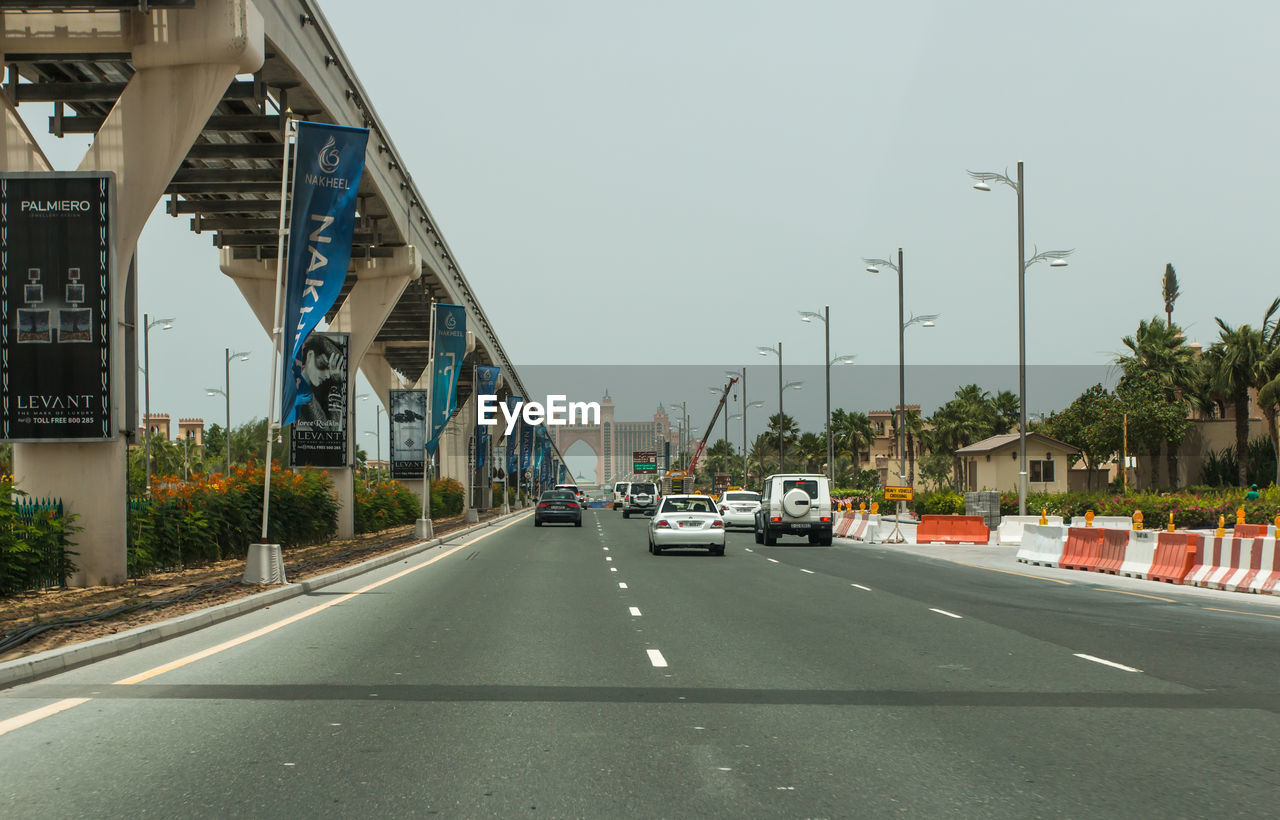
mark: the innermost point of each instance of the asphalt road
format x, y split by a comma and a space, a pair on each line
565, 672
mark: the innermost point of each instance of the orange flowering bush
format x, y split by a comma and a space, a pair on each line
217, 516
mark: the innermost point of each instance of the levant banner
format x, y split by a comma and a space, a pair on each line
408, 431
319, 434
326, 175
56, 268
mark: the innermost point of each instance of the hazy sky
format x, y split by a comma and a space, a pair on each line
661, 182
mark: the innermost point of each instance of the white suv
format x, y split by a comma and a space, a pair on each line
641, 497
619, 491
795, 504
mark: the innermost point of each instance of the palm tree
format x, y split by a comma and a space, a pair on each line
1158, 349
811, 449
762, 458
1237, 361
721, 458
789, 431
1007, 411
851, 432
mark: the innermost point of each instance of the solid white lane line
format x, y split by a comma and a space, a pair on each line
860, 586
944, 612
1106, 662
772, 560
635, 611
655, 658
811, 572
621, 585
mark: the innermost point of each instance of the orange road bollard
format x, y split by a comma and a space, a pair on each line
875, 507
1170, 529
1137, 520
1044, 519
1088, 518
1221, 532
1240, 516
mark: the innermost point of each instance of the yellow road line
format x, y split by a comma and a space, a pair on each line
61, 706
1021, 574
1238, 612
1136, 594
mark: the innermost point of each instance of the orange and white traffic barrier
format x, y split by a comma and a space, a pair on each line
1082, 548
1267, 581
1111, 552
844, 524
1042, 544
1219, 559
1119, 522
1011, 527
1176, 556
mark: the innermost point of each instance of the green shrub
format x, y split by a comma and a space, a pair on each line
446, 497
34, 543
384, 505
214, 517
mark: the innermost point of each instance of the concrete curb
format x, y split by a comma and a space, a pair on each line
53, 661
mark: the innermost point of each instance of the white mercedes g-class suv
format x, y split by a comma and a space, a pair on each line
795, 504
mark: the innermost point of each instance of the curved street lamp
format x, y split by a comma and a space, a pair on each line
925, 320
146, 372
1057, 259
213, 391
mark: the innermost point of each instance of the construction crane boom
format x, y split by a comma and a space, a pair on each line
697, 454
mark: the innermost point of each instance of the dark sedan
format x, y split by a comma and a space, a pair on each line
558, 506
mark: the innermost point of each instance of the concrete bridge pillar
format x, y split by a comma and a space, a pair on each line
184, 61
379, 283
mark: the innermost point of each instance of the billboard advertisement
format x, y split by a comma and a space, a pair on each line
56, 266
408, 432
319, 434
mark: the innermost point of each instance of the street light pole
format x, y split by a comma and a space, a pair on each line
1057, 259
226, 393
146, 381
873, 266
825, 318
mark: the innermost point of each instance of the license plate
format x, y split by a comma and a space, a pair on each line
556, 507
800, 526
691, 523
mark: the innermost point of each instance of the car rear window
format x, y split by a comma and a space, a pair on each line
742, 496
619, 488
809, 485
694, 504
559, 495
637, 489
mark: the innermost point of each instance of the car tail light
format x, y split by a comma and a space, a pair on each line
663, 524
824, 519
717, 524
573, 505
775, 519
542, 504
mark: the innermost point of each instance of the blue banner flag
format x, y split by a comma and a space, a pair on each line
526, 451
446, 355
326, 175
486, 383
513, 450
539, 449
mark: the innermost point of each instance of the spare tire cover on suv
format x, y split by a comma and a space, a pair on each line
796, 503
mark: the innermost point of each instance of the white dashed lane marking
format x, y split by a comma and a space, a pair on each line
773, 560
811, 572
860, 586
944, 612
1107, 663
635, 612
655, 658
621, 585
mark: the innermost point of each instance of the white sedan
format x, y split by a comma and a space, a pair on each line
686, 521
739, 508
